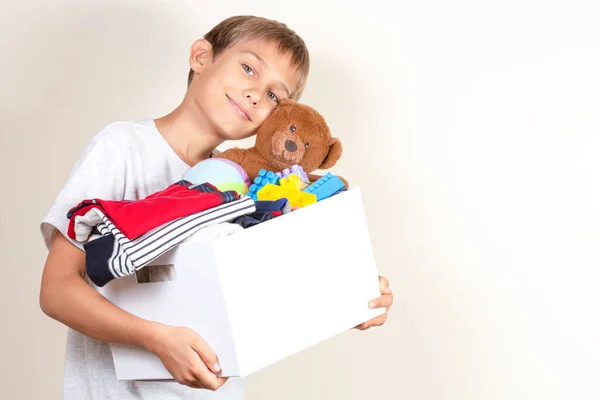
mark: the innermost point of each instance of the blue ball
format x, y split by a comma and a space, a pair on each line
221, 173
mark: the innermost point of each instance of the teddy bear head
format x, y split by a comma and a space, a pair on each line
295, 133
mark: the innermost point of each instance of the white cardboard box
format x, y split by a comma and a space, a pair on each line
261, 294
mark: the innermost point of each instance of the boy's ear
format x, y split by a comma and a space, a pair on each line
201, 54
335, 152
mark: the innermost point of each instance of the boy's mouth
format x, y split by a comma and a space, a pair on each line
238, 109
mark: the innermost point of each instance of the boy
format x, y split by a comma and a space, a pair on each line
238, 73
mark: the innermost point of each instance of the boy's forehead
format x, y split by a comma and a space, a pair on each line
266, 49
256, 44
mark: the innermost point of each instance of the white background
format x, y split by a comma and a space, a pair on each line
472, 127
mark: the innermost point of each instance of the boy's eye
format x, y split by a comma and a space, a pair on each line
248, 69
272, 96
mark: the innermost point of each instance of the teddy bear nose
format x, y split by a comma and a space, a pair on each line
290, 145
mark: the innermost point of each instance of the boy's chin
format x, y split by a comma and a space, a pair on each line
236, 135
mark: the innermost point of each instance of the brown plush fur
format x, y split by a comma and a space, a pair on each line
294, 133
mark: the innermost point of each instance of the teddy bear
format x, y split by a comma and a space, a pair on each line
294, 133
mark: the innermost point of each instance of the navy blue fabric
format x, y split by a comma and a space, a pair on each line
97, 254
247, 221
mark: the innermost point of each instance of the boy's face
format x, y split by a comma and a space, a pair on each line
236, 92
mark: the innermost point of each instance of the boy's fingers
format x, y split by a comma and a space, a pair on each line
206, 354
386, 301
190, 379
222, 381
204, 378
205, 371
379, 320
383, 301
194, 385
362, 326
384, 284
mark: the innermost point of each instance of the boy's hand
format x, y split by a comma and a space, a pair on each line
187, 357
385, 300
66, 297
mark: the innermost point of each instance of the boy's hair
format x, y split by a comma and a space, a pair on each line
237, 28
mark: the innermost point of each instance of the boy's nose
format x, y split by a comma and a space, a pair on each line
290, 145
252, 99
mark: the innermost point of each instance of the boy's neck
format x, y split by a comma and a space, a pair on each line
191, 138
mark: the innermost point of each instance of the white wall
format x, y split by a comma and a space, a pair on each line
472, 127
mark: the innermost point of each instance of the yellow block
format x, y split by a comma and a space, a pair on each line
291, 189
270, 192
303, 199
294, 180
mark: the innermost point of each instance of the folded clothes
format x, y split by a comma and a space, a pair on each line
247, 221
121, 237
113, 255
265, 211
134, 218
281, 206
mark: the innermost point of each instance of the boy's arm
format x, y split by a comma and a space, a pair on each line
67, 297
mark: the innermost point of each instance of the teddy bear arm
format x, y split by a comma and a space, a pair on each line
254, 163
236, 155
314, 178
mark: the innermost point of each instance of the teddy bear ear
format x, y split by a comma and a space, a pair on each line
335, 152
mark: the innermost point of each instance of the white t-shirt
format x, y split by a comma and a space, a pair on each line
125, 160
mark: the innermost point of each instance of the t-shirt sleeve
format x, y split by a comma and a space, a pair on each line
98, 173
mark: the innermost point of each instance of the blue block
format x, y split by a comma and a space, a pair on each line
325, 187
260, 181
252, 192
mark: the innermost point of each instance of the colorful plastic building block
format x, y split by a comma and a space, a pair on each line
269, 192
264, 177
325, 187
292, 184
303, 199
289, 188
293, 181
297, 170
